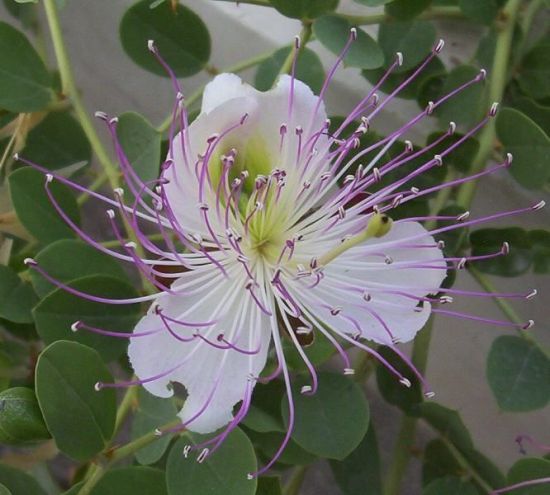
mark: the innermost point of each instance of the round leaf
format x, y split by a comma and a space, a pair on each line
407, 9
304, 9
16, 297
483, 11
141, 143
131, 480
450, 485
539, 114
535, 72
529, 145
333, 32
151, 413
35, 210
332, 422
80, 419
309, 69
24, 79
19, 482
4, 490
20, 417
413, 39
57, 312
225, 471
519, 374
69, 259
179, 34
528, 470
57, 142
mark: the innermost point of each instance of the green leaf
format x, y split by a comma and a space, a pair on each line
20, 417
269, 485
152, 412
309, 69
180, 36
359, 472
34, 209
373, 3
68, 259
534, 72
57, 142
268, 444
518, 372
438, 462
487, 241
24, 79
16, 297
141, 143
483, 11
318, 352
304, 9
460, 158
80, 419
332, 422
19, 482
435, 68
450, 485
264, 414
223, 472
57, 312
333, 32
390, 388
540, 249
466, 107
4, 490
528, 470
407, 9
529, 145
539, 114
131, 480
414, 40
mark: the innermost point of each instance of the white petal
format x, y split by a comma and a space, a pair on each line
222, 88
212, 376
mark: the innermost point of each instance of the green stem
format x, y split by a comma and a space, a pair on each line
305, 35
95, 474
239, 67
407, 430
125, 407
430, 14
70, 90
296, 480
497, 84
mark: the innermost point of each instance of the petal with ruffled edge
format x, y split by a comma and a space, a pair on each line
215, 379
339, 299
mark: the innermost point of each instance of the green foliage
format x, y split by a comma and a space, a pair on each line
223, 472
34, 208
529, 145
151, 413
304, 9
24, 79
535, 71
59, 310
80, 419
332, 422
20, 419
180, 35
407, 9
518, 372
483, 11
359, 472
309, 69
57, 142
264, 414
132, 480
333, 32
16, 297
19, 482
528, 470
269, 485
450, 486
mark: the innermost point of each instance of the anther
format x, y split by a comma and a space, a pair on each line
98, 386
429, 394
441, 244
282, 129
306, 389
367, 297
463, 216
415, 190
151, 46
336, 311
179, 96
297, 42
186, 451
376, 174
249, 477
531, 294
482, 75
203, 206
157, 432
349, 178
439, 46
438, 160
461, 264
210, 139
388, 260
494, 109
353, 33
101, 115
505, 249
396, 201
299, 130
341, 213
202, 456
452, 128
306, 184
445, 300
408, 146
16, 157
75, 326
30, 261
113, 121
349, 371
242, 258
539, 205
399, 58
405, 381
430, 107
119, 191
303, 330
528, 325
396, 340
49, 178
509, 159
